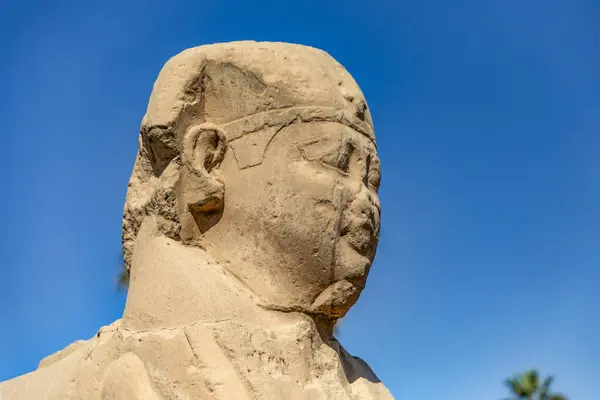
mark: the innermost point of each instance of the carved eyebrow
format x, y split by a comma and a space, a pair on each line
318, 147
279, 119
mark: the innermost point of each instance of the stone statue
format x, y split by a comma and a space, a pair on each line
250, 225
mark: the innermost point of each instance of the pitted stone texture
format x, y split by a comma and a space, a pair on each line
250, 226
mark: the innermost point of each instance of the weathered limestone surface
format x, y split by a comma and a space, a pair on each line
250, 225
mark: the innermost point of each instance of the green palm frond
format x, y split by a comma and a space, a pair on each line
518, 386
123, 280
545, 388
526, 385
557, 397
530, 381
123, 276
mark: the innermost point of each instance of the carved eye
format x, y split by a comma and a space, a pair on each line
374, 178
340, 159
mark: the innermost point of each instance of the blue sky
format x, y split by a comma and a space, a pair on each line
488, 129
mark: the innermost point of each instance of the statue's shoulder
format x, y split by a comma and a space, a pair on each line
76, 347
55, 376
51, 380
362, 379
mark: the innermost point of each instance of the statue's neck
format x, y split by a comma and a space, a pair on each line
173, 285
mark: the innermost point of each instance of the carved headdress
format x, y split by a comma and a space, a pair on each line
228, 87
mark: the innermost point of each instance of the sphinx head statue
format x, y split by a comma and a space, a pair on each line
261, 157
250, 225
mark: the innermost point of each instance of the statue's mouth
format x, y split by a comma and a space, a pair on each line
362, 235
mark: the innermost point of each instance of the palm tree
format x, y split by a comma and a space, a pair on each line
123, 280
526, 386
123, 276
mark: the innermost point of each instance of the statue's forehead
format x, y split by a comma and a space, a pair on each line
278, 119
249, 137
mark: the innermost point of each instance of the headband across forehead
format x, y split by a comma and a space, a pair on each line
251, 135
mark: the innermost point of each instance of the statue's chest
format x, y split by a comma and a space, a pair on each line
199, 362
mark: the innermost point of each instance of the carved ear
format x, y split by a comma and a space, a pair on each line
201, 187
204, 147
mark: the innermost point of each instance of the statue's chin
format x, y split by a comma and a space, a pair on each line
337, 298
349, 279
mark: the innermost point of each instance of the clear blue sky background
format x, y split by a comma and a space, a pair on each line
488, 122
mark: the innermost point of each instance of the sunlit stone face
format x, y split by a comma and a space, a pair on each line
250, 225
302, 226
273, 154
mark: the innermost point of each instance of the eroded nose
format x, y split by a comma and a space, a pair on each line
366, 206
